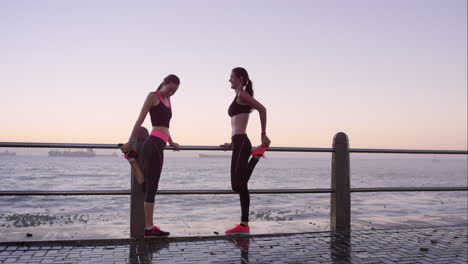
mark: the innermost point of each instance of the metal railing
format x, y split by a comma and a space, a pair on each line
251, 191
340, 200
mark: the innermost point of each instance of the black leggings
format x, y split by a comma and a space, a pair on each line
152, 163
241, 170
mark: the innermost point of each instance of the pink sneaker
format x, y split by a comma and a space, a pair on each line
259, 151
155, 232
131, 154
239, 230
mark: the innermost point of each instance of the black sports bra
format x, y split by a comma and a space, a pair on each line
236, 108
161, 114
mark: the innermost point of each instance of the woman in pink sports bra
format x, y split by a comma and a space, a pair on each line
241, 166
158, 105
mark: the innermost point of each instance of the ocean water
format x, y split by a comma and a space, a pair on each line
187, 171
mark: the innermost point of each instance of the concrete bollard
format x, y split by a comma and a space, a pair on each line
340, 200
137, 197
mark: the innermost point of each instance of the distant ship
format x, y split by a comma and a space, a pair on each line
213, 156
6, 153
69, 153
107, 155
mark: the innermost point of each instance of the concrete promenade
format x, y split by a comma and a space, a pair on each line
436, 244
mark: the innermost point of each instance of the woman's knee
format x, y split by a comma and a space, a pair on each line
235, 188
239, 188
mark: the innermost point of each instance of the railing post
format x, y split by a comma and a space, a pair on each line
340, 200
137, 196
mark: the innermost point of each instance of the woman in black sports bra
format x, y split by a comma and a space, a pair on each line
158, 105
241, 166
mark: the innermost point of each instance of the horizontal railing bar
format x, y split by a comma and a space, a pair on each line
161, 192
115, 146
56, 145
254, 191
409, 189
216, 148
276, 149
408, 151
70, 192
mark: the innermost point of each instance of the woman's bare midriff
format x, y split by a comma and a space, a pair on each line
165, 130
239, 124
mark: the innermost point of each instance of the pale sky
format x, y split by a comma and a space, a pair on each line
390, 74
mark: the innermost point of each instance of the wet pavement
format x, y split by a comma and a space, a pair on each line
443, 244
211, 228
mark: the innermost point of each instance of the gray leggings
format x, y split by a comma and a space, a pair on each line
152, 163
